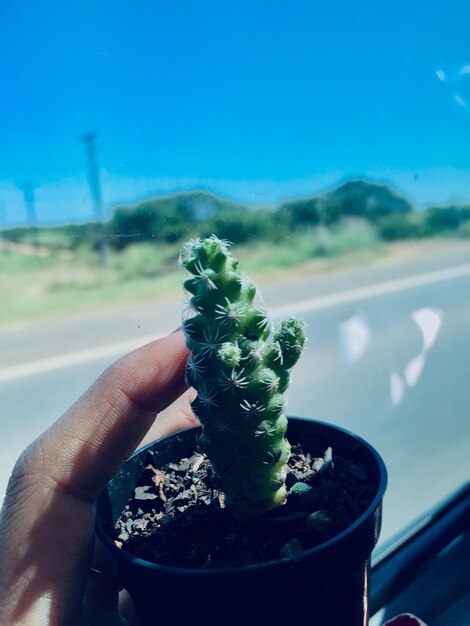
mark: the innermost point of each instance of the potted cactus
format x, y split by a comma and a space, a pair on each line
274, 533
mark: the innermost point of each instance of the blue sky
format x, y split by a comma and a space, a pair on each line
257, 100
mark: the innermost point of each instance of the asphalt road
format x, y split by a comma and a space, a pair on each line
388, 357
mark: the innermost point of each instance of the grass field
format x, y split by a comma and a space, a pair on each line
34, 287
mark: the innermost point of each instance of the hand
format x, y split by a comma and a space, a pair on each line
47, 521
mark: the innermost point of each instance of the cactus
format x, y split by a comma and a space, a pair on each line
240, 368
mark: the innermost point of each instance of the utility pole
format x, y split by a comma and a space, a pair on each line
89, 140
3, 219
30, 207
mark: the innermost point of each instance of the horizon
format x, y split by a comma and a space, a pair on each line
180, 191
258, 106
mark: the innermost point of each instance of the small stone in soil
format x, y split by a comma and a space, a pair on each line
318, 520
291, 548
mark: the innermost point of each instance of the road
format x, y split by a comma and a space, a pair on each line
388, 358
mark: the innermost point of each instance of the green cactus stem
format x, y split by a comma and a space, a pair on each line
240, 368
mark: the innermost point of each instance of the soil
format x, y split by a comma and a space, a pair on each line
178, 515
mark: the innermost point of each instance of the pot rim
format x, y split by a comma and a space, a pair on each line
375, 503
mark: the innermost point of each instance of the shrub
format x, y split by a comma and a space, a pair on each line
143, 260
403, 226
350, 235
464, 229
445, 219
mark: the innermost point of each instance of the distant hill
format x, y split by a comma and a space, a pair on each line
196, 205
168, 218
368, 200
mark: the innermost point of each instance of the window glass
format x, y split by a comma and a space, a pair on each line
327, 141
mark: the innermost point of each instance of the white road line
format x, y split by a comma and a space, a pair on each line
74, 358
294, 308
371, 291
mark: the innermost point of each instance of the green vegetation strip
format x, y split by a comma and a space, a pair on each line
34, 288
54, 271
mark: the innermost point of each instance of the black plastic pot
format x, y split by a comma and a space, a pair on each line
325, 586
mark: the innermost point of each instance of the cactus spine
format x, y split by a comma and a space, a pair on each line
240, 369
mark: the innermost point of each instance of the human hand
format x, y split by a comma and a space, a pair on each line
47, 544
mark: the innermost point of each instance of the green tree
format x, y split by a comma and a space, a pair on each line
369, 200
299, 214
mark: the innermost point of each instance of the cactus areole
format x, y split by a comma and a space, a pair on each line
239, 366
